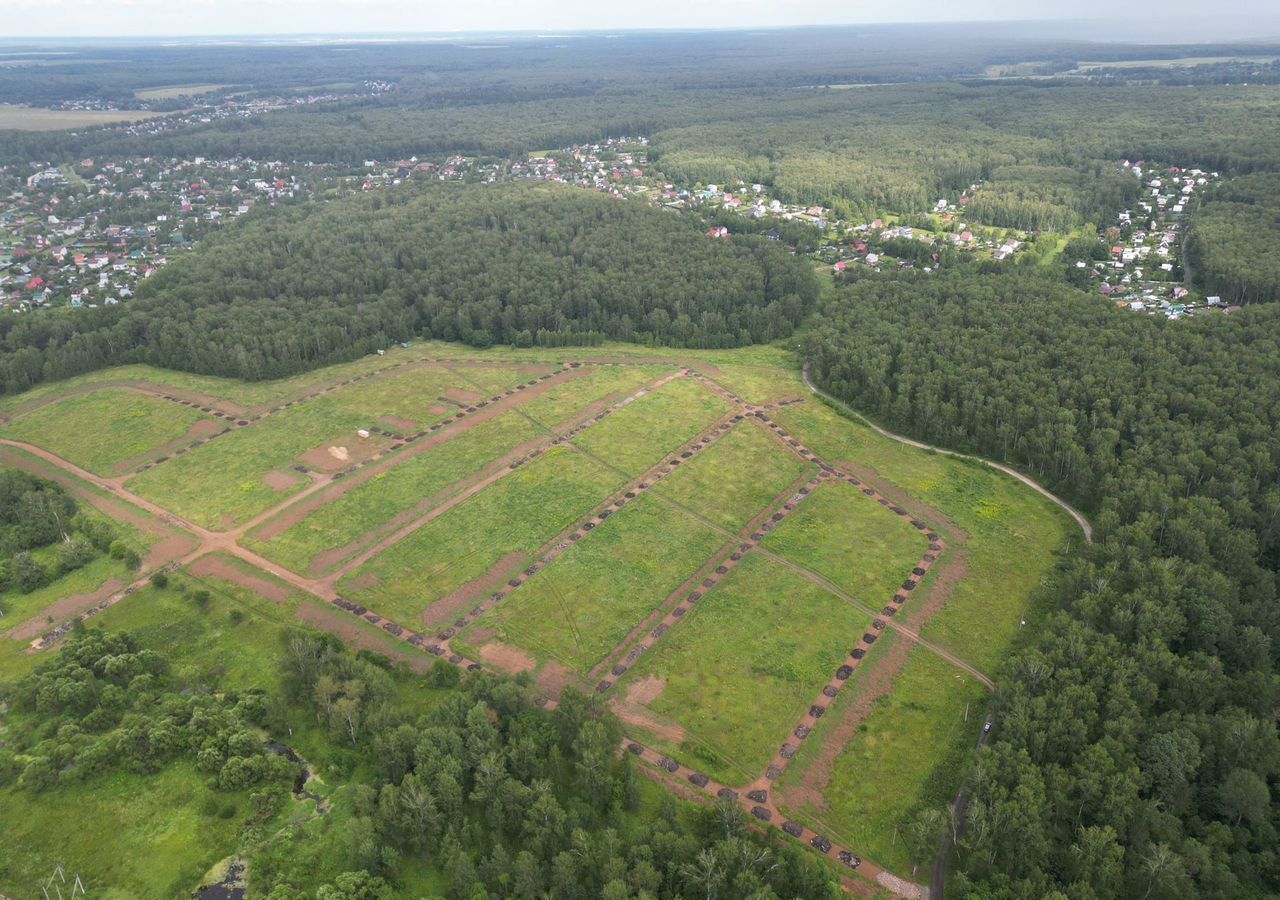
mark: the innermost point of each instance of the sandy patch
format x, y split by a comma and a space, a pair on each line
395, 423
554, 678
329, 457
646, 690
633, 709
347, 627
63, 609
509, 659
220, 567
464, 599
166, 550
438, 410
280, 481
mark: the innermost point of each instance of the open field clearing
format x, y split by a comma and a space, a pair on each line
759, 383
849, 539
178, 90
570, 400
1180, 62
741, 669
736, 478
334, 527
228, 481
31, 118
585, 603
497, 530
635, 438
1002, 538
905, 755
127, 428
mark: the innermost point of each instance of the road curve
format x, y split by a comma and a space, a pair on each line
1034, 485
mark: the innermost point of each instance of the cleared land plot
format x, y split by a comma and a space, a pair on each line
1007, 536
335, 528
505, 523
744, 665
222, 484
586, 602
30, 118
760, 384
578, 397
906, 755
180, 90
854, 542
123, 425
636, 438
734, 479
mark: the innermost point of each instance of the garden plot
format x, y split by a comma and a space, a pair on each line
904, 757
231, 479
446, 566
636, 438
734, 481
127, 428
345, 519
849, 539
743, 667
590, 393
580, 607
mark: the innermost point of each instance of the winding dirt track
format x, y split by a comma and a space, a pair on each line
910, 442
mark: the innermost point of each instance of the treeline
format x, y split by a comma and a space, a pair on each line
36, 514
518, 264
104, 704
508, 800
1234, 234
1136, 752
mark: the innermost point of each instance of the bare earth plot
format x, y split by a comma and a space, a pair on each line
780, 604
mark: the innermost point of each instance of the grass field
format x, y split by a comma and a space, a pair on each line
222, 483
581, 606
512, 518
32, 118
735, 478
1010, 536
849, 539
125, 426
637, 437
572, 399
178, 90
906, 755
376, 502
737, 685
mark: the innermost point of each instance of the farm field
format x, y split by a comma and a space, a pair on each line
852, 541
732, 684
622, 552
334, 527
127, 428
31, 118
635, 438
581, 606
501, 526
735, 479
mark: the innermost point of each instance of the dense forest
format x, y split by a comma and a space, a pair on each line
522, 264
1232, 247
1138, 735
501, 797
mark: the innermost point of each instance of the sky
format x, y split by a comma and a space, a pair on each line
1166, 20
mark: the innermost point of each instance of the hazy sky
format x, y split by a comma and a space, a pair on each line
1187, 20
